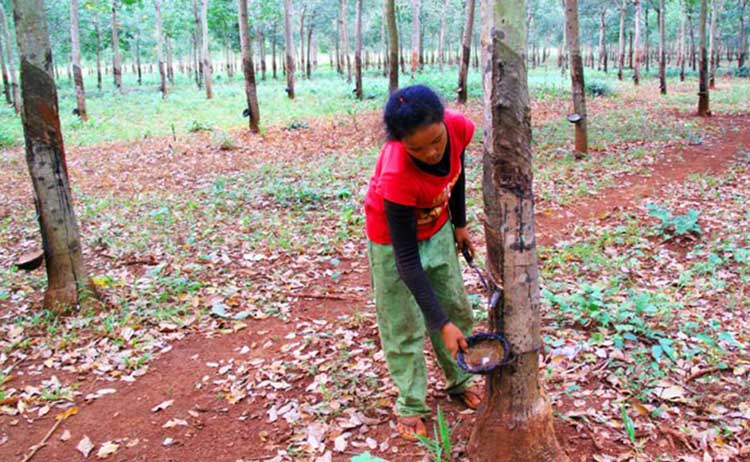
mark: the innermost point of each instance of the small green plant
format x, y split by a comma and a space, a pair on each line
678, 225
222, 140
196, 126
628, 423
597, 88
440, 448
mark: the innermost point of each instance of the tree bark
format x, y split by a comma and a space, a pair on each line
45, 156
662, 52
345, 40
310, 56
358, 50
205, 53
302, 39
3, 67
515, 421
602, 49
261, 50
138, 57
17, 100
415, 7
116, 66
683, 42
441, 36
742, 39
390, 16
576, 77
273, 51
170, 61
76, 52
621, 49
289, 39
703, 100
716, 11
248, 68
463, 70
637, 44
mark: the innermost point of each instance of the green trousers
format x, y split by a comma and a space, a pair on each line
402, 325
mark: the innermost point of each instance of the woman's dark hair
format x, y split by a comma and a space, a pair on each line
410, 109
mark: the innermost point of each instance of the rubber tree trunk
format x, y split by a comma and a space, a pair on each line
358, 50
6, 83
415, 7
463, 70
310, 57
98, 33
602, 33
742, 39
716, 11
289, 39
621, 49
273, 51
159, 50
76, 55
637, 44
662, 51
703, 109
261, 50
683, 42
514, 423
441, 36
205, 53
45, 156
170, 61
10, 64
116, 63
248, 67
302, 39
390, 16
197, 47
138, 56
576, 77
344, 35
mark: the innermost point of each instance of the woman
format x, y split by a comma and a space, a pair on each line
416, 218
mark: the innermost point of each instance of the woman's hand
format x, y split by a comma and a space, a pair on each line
453, 339
461, 235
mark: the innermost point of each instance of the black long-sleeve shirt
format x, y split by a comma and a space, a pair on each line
402, 225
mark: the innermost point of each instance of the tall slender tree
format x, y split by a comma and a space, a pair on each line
712, 53
662, 51
289, 39
248, 68
637, 46
9, 56
358, 50
576, 77
390, 16
4, 70
602, 39
98, 33
703, 102
441, 36
415, 29
514, 424
463, 71
344, 31
116, 63
206, 53
621, 49
45, 156
159, 48
76, 55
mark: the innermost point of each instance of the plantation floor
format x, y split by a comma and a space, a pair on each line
236, 322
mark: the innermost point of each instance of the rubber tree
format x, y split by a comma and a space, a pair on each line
514, 424
576, 78
116, 63
662, 51
358, 50
344, 35
98, 34
621, 48
637, 45
390, 16
6, 83
45, 157
441, 36
463, 70
76, 58
248, 67
703, 110
205, 51
602, 63
415, 29
712, 54
10, 64
159, 50
289, 42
